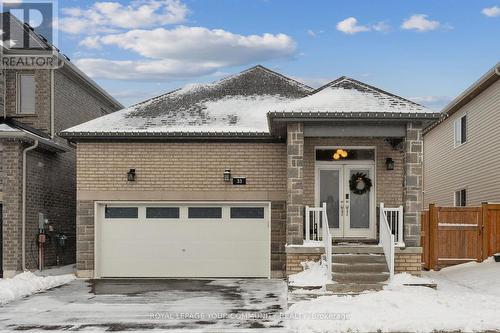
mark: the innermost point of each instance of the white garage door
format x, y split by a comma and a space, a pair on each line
183, 239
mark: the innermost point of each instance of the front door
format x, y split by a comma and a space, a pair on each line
350, 215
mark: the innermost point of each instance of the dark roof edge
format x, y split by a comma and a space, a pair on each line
476, 88
280, 115
78, 136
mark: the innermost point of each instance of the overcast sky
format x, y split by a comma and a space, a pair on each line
426, 50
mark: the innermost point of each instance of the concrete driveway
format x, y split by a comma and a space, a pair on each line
142, 305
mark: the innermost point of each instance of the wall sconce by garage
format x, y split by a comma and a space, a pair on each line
389, 163
227, 175
131, 175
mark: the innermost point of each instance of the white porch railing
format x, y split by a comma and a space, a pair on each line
395, 219
387, 240
318, 230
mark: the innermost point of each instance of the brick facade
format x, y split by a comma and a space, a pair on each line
51, 186
41, 119
408, 263
413, 184
180, 171
389, 183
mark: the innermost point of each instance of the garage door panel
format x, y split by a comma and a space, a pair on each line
184, 247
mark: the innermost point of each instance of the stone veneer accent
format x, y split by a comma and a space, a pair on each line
295, 183
413, 184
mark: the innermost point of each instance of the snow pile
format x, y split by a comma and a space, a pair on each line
27, 283
467, 300
315, 274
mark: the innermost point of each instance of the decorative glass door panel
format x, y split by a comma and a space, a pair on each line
351, 214
331, 191
358, 219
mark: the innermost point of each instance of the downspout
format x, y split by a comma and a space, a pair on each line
52, 90
23, 217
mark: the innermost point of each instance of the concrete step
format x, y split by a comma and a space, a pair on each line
360, 277
359, 268
365, 249
358, 258
353, 288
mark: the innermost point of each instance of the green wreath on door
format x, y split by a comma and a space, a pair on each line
360, 183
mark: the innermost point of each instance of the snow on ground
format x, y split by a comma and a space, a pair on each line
28, 283
466, 299
314, 274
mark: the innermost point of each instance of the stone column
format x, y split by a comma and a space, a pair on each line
295, 183
413, 184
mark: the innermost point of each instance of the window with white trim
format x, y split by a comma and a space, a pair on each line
25, 94
460, 129
461, 198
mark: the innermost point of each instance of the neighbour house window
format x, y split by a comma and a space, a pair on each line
121, 212
162, 212
247, 212
461, 198
25, 94
460, 128
205, 212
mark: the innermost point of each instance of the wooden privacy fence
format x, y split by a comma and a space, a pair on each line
454, 235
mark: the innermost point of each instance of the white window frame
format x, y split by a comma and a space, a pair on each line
19, 110
457, 131
457, 204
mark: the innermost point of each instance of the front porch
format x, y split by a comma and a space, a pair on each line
379, 223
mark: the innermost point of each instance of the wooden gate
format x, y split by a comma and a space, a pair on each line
454, 235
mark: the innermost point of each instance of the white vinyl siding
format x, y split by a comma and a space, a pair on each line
26, 94
475, 164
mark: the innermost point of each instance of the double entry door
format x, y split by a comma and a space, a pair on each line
350, 215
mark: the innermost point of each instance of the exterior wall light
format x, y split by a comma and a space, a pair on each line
389, 162
227, 175
131, 175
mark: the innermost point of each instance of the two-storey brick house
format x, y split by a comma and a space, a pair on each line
37, 168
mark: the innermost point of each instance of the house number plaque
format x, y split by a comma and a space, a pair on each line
239, 180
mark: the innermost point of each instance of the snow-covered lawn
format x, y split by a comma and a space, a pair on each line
467, 299
29, 283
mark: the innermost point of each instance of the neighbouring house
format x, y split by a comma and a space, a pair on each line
462, 149
37, 168
213, 180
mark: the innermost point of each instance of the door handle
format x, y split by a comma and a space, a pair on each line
342, 208
347, 208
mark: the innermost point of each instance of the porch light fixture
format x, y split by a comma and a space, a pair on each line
131, 175
389, 162
227, 175
340, 153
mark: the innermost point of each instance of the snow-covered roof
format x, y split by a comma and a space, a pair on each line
234, 105
240, 106
346, 95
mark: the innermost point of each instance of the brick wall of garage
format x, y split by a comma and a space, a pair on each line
389, 182
185, 171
